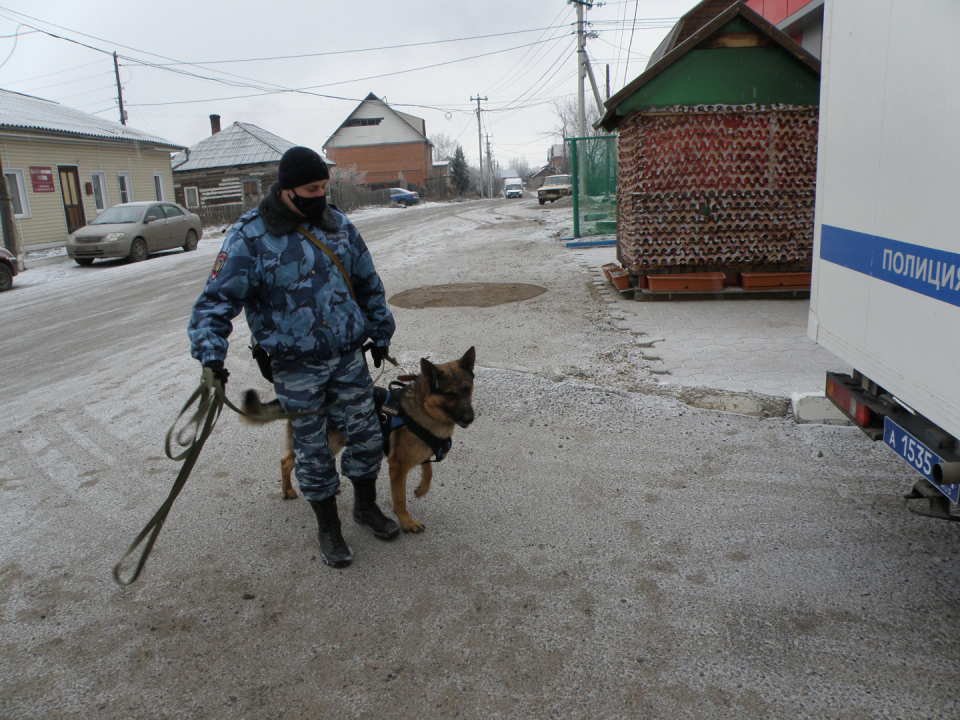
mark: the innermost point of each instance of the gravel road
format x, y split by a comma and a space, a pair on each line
594, 546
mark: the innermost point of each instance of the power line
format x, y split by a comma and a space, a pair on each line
265, 88
70, 82
636, 7
498, 86
363, 50
58, 72
87, 92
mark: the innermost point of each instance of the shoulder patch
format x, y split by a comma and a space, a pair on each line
218, 265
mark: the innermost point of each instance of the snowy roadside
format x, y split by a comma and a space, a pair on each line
53, 265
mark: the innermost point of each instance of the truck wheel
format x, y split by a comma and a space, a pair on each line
83, 262
541, 201
6, 277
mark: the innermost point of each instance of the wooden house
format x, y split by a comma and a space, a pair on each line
231, 170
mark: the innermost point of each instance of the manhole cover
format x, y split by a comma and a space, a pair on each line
465, 295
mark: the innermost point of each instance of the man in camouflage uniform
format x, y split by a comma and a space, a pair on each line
300, 310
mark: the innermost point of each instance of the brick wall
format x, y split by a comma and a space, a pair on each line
382, 163
717, 187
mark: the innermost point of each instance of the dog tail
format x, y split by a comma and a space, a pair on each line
258, 413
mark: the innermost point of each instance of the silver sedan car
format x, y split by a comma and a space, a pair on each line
134, 230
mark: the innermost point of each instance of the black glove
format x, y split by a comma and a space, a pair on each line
219, 371
379, 354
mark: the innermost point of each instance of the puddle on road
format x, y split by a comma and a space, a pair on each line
465, 295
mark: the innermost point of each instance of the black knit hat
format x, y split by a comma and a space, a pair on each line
301, 166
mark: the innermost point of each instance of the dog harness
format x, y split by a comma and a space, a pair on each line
393, 417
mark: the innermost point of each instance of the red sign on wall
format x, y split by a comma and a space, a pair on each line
42, 179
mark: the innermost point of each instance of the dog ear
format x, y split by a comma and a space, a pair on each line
431, 373
468, 359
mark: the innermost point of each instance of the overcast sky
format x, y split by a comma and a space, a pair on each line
182, 61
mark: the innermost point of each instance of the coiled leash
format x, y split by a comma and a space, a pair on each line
210, 399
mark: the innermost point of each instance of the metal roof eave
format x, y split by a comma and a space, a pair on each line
66, 135
610, 120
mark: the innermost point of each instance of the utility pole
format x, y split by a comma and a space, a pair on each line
480, 140
116, 71
490, 180
584, 69
581, 62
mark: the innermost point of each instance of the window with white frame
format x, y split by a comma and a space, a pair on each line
126, 187
159, 186
100, 196
18, 192
191, 196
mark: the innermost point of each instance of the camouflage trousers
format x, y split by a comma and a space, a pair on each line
310, 385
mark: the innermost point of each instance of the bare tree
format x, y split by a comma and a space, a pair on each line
567, 122
444, 147
521, 166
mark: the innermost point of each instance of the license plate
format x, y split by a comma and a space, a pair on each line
916, 455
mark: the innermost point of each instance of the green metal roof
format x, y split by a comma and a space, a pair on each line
697, 72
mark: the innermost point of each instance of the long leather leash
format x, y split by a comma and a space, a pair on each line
210, 400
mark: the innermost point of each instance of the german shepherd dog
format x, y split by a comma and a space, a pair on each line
438, 399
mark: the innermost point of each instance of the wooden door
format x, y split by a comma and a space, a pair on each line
72, 200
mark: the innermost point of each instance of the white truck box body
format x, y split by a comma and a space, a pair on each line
885, 293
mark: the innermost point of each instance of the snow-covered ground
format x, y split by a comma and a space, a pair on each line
595, 546
68, 271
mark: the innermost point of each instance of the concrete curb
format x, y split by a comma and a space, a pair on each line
816, 409
40, 262
810, 408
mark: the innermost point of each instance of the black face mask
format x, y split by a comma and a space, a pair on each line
312, 207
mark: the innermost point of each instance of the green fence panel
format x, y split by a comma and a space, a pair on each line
594, 168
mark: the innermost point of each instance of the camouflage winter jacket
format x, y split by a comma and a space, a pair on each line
297, 302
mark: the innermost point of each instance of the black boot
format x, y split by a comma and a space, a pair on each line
366, 512
333, 548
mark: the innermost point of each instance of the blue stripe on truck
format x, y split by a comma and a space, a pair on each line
934, 273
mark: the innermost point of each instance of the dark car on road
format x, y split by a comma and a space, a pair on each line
134, 230
8, 269
404, 197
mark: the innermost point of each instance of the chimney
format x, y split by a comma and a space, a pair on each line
214, 124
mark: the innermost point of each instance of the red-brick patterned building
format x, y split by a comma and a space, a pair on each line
717, 149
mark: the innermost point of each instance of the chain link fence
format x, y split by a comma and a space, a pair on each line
594, 169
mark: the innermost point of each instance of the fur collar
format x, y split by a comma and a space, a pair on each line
281, 220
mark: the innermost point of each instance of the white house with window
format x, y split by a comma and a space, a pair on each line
64, 167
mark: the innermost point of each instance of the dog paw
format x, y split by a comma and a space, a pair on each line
412, 526
421, 491
289, 494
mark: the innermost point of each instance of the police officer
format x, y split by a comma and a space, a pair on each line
301, 311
